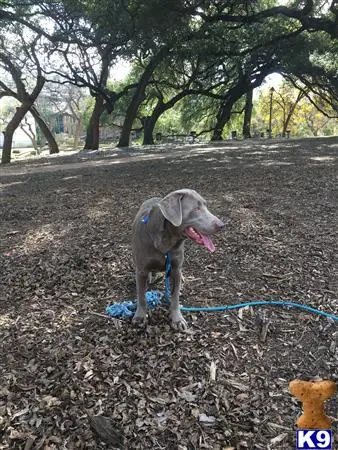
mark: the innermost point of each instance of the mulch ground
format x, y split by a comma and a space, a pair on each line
71, 379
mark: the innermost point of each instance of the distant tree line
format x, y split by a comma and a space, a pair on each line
203, 55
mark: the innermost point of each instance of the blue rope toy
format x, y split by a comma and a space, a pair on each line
154, 299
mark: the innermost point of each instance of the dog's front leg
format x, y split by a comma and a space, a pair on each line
140, 316
177, 320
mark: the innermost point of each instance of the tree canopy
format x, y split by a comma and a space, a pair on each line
201, 52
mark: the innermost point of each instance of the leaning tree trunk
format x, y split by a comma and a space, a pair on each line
286, 122
52, 144
93, 129
27, 103
150, 122
9, 132
222, 118
30, 133
133, 107
243, 86
247, 115
160, 108
138, 97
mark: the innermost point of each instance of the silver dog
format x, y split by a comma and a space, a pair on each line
160, 226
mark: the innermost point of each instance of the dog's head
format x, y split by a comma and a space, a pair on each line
187, 211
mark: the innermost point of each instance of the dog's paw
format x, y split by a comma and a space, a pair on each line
140, 319
181, 326
178, 322
140, 322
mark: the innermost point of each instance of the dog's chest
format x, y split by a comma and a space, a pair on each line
157, 262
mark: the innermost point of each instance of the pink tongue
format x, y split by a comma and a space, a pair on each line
207, 242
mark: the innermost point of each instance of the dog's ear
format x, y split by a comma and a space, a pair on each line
171, 208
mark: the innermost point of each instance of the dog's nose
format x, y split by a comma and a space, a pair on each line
219, 225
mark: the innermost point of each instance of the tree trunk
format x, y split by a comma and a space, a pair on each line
150, 122
93, 129
160, 108
77, 133
31, 135
223, 117
138, 98
286, 122
9, 132
52, 144
247, 115
243, 86
27, 103
224, 112
148, 129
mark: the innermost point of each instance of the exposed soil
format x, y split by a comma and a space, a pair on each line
65, 254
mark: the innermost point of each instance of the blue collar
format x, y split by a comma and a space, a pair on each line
145, 219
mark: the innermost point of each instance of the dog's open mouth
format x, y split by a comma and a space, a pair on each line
200, 238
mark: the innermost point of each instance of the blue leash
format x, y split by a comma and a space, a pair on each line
287, 304
167, 276
154, 299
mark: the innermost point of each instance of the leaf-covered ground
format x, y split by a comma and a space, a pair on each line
65, 254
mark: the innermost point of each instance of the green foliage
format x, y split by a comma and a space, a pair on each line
305, 120
86, 110
198, 113
171, 121
7, 109
211, 48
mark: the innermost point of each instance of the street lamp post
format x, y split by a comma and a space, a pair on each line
272, 90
